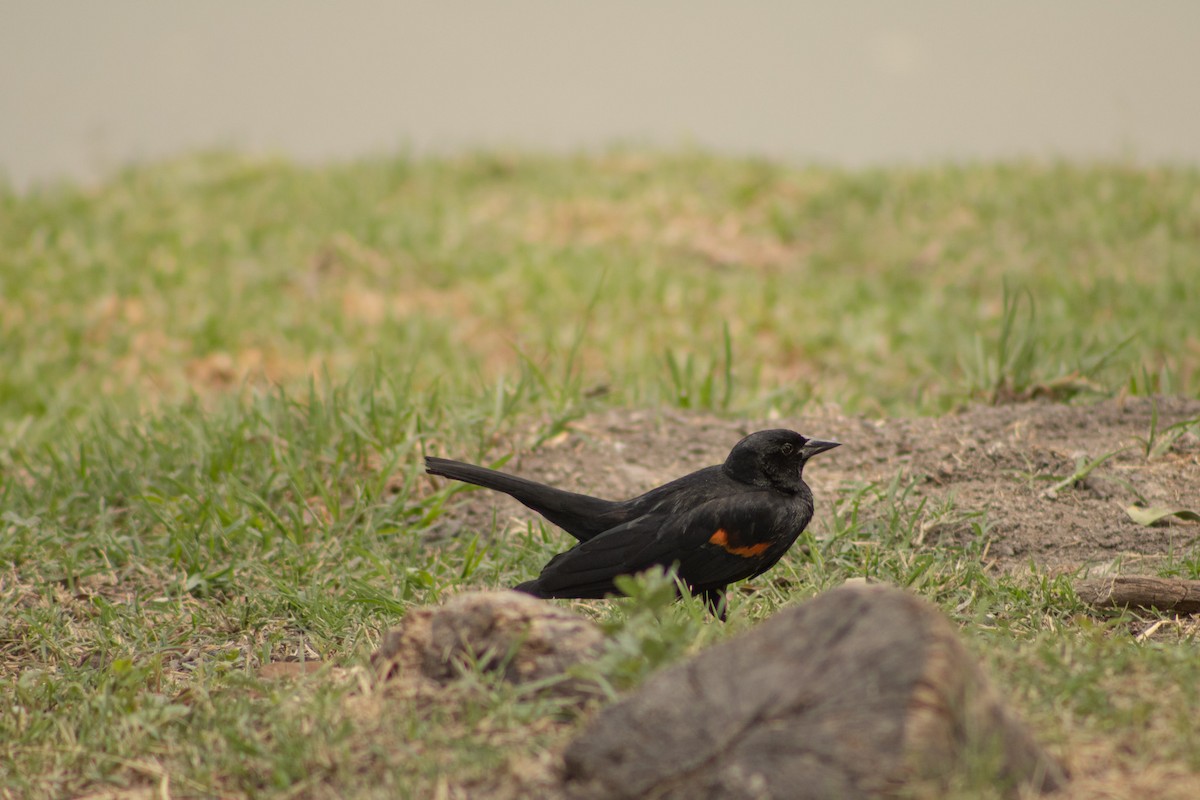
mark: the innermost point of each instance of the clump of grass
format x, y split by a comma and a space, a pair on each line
1084, 467
1014, 368
1157, 442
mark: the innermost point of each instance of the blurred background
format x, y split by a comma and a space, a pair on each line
87, 87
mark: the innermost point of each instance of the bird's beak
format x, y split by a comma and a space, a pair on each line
815, 446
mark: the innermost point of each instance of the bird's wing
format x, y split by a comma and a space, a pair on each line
721, 540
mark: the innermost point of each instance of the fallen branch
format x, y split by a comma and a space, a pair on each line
1140, 591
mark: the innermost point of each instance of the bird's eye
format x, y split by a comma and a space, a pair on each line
787, 449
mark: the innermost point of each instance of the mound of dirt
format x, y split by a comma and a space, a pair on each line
520, 638
998, 460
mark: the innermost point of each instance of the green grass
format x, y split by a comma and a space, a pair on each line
217, 376
680, 279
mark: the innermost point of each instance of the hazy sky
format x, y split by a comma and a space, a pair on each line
85, 86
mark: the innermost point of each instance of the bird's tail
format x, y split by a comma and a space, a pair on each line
580, 515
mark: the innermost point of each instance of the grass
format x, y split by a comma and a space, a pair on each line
738, 285
217, 376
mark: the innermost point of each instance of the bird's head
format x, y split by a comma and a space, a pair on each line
773, 458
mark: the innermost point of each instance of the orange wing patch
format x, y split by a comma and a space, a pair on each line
721, 540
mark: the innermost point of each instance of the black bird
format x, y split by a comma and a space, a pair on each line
720, 524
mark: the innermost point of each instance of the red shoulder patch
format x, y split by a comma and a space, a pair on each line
721, 540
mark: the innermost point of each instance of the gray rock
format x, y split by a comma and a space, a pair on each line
853, 694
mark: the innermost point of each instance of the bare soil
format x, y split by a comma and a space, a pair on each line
1000, 460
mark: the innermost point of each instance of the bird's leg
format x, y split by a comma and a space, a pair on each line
716, 602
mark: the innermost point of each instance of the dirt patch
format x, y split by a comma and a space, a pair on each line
998, 460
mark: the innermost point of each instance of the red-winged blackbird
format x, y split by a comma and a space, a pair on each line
719, 525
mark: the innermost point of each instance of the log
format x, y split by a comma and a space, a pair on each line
857, 693
1141, 591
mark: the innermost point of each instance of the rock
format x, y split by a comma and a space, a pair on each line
521, 637
856, 693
